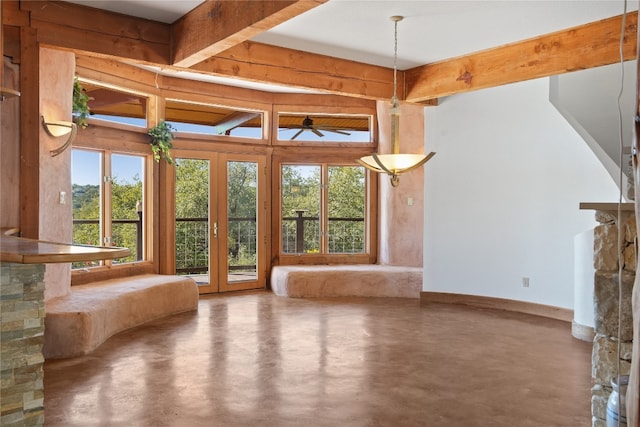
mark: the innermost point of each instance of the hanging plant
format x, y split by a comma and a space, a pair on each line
162, 141
80, 109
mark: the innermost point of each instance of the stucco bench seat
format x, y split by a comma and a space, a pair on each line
346, 280
78, 323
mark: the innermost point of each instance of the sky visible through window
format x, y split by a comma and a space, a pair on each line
86, 167
86, 164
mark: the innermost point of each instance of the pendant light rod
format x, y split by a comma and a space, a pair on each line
395, 163
395, 104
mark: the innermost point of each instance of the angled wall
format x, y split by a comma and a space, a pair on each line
588, 100
502, 195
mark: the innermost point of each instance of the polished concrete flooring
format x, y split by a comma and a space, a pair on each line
260, 360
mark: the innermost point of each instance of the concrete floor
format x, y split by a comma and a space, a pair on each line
260, 360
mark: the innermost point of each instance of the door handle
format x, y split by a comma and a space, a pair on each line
215, 230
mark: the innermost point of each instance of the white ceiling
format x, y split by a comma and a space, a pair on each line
433, 30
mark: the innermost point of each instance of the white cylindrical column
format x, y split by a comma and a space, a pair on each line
584, 273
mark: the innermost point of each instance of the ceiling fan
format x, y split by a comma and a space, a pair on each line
307, 125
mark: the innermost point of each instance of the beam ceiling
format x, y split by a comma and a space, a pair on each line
225, 50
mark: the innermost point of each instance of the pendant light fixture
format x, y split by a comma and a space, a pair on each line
395, 163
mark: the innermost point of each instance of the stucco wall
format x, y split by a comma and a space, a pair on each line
402, 207
502, 195
56, 86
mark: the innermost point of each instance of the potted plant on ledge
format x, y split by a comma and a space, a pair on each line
162, 141
80, 108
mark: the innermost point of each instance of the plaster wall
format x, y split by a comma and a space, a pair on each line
402, 208
594, 112
56, 86
502, 195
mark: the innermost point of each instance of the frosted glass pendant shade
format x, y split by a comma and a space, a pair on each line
394, 164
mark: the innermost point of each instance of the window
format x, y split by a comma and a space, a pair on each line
115, 105
323, 209
324, 127
213, 119
109, 202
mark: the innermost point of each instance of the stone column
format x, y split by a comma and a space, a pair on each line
21, 361
605, 357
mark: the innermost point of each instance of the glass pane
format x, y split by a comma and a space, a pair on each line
324, 127
127, 230
346, 209
213, 119
300, 209
85, 178
116, 106
242, 185
192, 219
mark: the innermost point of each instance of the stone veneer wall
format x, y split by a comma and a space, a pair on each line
22, 333
604, 362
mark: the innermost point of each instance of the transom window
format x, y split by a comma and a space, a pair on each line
116, 105
211, 119
322, 127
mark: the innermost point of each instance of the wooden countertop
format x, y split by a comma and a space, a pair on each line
29, 251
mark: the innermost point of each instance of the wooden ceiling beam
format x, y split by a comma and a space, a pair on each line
577, 48
81, 28
216, 26
288, 67
108, 35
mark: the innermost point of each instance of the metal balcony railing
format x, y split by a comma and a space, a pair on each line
300, 234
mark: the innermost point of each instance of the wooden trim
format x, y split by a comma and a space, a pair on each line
29, 134
549, 311
585, 46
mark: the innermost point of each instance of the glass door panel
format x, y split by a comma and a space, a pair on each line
220, 217
242, 186
192, 207
243, 245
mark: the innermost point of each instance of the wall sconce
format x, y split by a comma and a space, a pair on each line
60, 128
6, 93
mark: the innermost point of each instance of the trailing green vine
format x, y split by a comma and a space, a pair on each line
80, 109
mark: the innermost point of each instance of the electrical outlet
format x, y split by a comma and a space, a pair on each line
63, 198
525, 282
410, 201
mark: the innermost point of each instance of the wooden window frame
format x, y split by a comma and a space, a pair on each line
305, 157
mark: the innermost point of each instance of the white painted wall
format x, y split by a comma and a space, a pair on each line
502, 195
593, 113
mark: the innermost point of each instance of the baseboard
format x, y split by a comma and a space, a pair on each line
552, 312
582, 332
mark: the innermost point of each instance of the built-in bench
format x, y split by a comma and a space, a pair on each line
346, 280
78, 323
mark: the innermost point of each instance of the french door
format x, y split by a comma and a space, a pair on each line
220, 219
